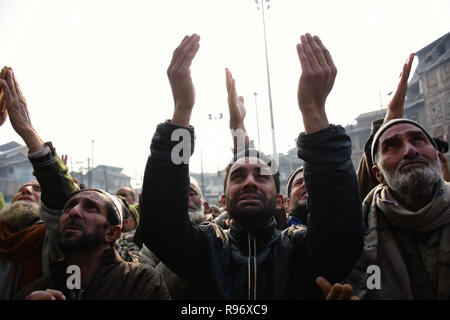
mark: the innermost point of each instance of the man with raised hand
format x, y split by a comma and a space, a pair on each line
406, 210
79, 261
254, 260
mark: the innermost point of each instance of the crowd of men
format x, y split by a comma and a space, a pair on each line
379, 232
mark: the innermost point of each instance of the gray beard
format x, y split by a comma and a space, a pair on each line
197, 216
416, 183
20, 215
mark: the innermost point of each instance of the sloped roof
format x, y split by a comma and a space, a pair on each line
10, 145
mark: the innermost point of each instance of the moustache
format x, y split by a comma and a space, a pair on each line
74, 224
417, 160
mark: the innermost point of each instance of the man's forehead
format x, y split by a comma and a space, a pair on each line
123, 190
401, 129
91, 194
30, 183
249, 163
298, 176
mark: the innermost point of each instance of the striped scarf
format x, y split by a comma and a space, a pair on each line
412, 249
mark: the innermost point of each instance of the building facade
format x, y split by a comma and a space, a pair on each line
427, 98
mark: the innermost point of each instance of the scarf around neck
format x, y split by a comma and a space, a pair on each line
386, 224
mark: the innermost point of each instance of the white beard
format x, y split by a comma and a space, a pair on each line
197, 216
20, 214
415, 182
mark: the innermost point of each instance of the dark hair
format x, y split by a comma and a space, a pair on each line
248, 152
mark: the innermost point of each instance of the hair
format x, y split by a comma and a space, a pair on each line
247, 152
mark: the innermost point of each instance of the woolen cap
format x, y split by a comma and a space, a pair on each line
390, 124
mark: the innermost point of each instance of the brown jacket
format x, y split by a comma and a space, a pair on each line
114, 279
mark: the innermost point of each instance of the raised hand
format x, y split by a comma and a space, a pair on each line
64, 159
396, 105
18, 111
3, 110
335, 292
179, 74
235, 104
316, 81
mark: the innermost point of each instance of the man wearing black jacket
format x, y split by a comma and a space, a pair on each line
254, 260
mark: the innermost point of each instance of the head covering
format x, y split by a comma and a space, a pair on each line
291, 178
135, 212
390, 124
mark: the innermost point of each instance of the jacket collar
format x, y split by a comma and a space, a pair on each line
262, 235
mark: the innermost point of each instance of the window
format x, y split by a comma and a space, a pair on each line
10, 170
431, 80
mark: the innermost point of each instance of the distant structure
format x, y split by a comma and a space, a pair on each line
427, 98
103, 177
15, 168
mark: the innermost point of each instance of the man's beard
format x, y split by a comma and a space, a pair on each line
252, 216
20, 215
72, 243
415, 182
197, 216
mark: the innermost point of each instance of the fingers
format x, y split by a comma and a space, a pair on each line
404, 75
64, 159
326, 53
186, 52
335, 292
57, 294
346, 292
324, 285
48, 294
230, 82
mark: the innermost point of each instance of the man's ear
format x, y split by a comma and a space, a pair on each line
280, 202
206, 206
113, 233
223, 201
287, 202
377, 173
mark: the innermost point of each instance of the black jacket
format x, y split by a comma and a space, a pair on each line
256, 264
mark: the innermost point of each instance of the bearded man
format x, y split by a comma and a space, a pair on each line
407, 218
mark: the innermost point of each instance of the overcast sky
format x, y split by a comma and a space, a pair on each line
96, 70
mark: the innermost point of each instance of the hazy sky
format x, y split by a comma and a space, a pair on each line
96, 70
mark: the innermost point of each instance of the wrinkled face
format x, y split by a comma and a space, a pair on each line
407, 159
127, 193
83, 223
298, 196
195, 201
195, 205
31, 191
251, 192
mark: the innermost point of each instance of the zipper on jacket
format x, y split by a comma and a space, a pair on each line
252, 270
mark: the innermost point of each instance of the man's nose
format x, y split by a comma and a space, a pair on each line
250, 182
410, 151
76, 211
27, 190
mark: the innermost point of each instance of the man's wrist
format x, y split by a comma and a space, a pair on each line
32, 140
181, 117
314, 121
